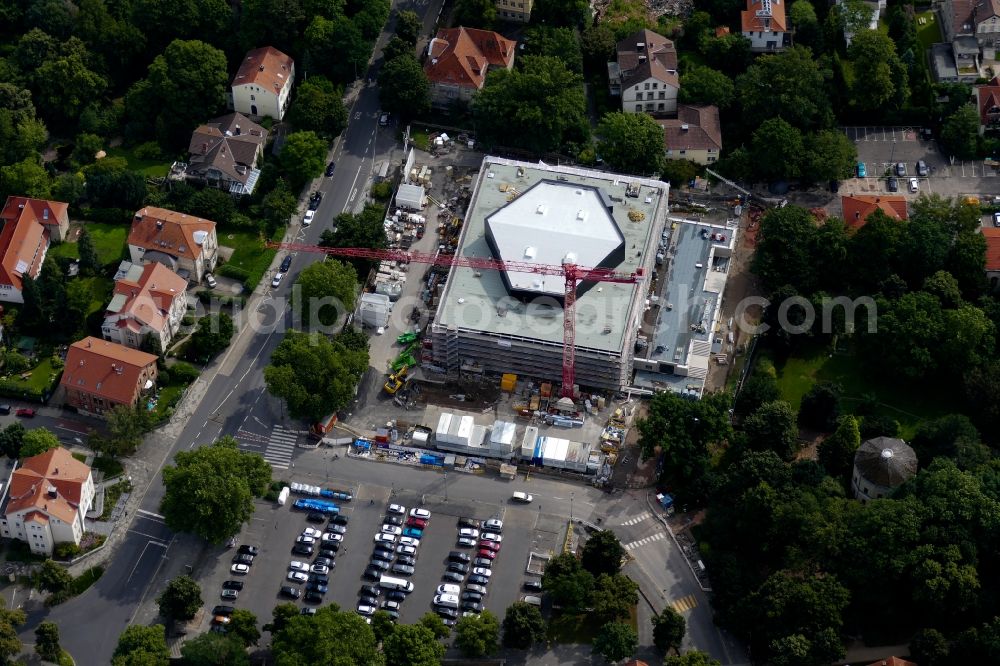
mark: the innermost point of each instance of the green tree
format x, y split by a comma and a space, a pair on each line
437, 626
331, 636
395, 48
26, 178
403, 87
759, 388
568, 583
807, 29
126, 427
669, 628
64, 85
523, 626
11, 439
47, 642
616, 641
303, 158
777, 262
10, 620
243, 625
704, 85
214, 333
318, 107
694, 658
278, 205
140, 645
85, 148
323, 292
110, 184
631, 142
181, 599
37, 441
603, 553
336, 48
382, 625
89, 263
910, 331
212, 204
614, 598
54, 577
371, 19
475, 13
234, 478
930, 647
680, 171
212, 649
313, 374
539, 107
414, 645
772, 427
477, 635
829, 155
836, 452
568, 13
776, 150
960, 132
281, 615
880, 79
409, 26
820, 406
561, 43
790, 86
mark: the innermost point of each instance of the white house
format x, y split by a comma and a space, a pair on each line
46, 501
149, 300
644, 73
185, 244
763, 23
263, 84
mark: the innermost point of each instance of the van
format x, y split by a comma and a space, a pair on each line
532, 599
390, 583
446, 600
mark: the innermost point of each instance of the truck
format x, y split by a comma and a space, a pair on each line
323, 428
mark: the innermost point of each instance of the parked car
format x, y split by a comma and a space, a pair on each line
472, 606
409, 541
243, 557
489, 545
449, 613
307, 219
383, 120
996, 219
452, 577
914, 185
385, 556
416, 522
337, 529
492, 536
295, 565
5, 409
403, 569
476, 587
482, 571
26, 412
329, 169
223, 610
862, 171
494, 525
445, 588
316, 586
390, 605
290, 592
340, 519
313, 597
900, 169
326, 561
239, 569
458, 556
458, 567
533, 585
316, 518
470, 522
396, 595
297, 576
477, 579
392, 529
396, 508
367, 601
413, 532
922, 169
366, 610
471, 596
483, 562
210, 281
382, 565
406, 550
532, 599
420, 513
466, 542
320, 578
382, 537
230, 594
313, 532
332, 537
408, 560
522, 497
329, 549
307, 611
302, 549
468, 532
286, 264
371, 590
372, 573
247, 549
486, 554
892, 184
315, 199
394, 520
319, 569
232, 585
277, 279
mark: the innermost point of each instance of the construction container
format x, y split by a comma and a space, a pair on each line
546, 390
507, 382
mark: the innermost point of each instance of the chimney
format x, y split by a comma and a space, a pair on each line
237, 130
204, 147
684, 127
261, 68
51, 491
640, 47
159, 224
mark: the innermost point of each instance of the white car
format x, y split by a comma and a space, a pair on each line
308, 219
277, 279
420, 513
241, 569
391, 605
490, 536
468, 532
210, 280
481, 571
406, 550
494, 525
295, 565
313, 532
466, 542
385, 538
396, 508
319, 569
522, 497
914, 185
409, 541
449, 589
366, 610
306, 539
392, 529
333, 536
297, 577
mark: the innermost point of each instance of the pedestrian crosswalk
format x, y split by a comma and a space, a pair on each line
642, 542
638, 519
276, 447
684, 603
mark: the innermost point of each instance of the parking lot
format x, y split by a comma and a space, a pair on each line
274, 531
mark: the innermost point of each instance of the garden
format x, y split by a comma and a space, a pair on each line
250, 259
29, 377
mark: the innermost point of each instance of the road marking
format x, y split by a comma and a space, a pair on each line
638, 519
690, 602
642, 542
153, 541
150, 514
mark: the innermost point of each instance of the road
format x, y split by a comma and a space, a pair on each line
235, 399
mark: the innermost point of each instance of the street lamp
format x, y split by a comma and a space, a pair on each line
571, 495
446, 485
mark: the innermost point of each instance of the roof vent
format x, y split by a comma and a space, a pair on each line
51, 491
261, 68
159, 224
581, 215
45, 214
529, 252
640, 46
541, 209
684, 127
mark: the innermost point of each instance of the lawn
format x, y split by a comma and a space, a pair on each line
910, 403
109, 242
421, 140
100, 292
250, 257
928, 30
148, 168
570, 628
167, 400
42, 377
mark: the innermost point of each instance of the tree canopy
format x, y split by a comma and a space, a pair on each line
523, 626
616, 641
324, 292
631, 142
477, 635
403, 87
37, 441
181, 599
331, 636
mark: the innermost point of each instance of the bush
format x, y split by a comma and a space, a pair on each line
382, 191
66, 550
229, 271
108, 216
14, 363
56, 362
148, 151
109, 466
183, 373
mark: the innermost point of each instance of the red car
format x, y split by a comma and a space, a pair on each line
419, 523
488, 554
25, 411
489, 545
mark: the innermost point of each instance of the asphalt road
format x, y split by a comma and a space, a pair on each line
90, 624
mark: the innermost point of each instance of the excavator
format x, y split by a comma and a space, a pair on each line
396, 380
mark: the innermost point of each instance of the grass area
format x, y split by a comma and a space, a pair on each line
169, 396
111, 496
109, 243
109, 466
928, 29
570, 628
82, 457
148, 168
421, 140
909, 403
42, 376
86, 579
100, 292
250, 258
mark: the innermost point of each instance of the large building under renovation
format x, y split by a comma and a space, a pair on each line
492, 323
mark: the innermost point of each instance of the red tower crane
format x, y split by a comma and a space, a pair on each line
570, 272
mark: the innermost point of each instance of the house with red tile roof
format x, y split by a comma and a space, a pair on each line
992, 236
458, 60
263, 84
28, 226
186, 244
988, 104
224, 154
695, 134
148, 300
763, 22
893, 661
100, 375
857, 207
644, 73
46, 501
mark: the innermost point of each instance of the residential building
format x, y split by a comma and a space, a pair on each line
695, 134
893, 661
263, 84
149, 300
224, 154
988, 104
873, 7
100, 375
764, 24
644, 74
186, 244
458, 60
992, 236
46, 501
977, 19
857, 207
28, 226
881, 465
515, 11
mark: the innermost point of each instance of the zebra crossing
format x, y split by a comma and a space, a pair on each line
276, 447
638, 519
684, 603
642, 542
